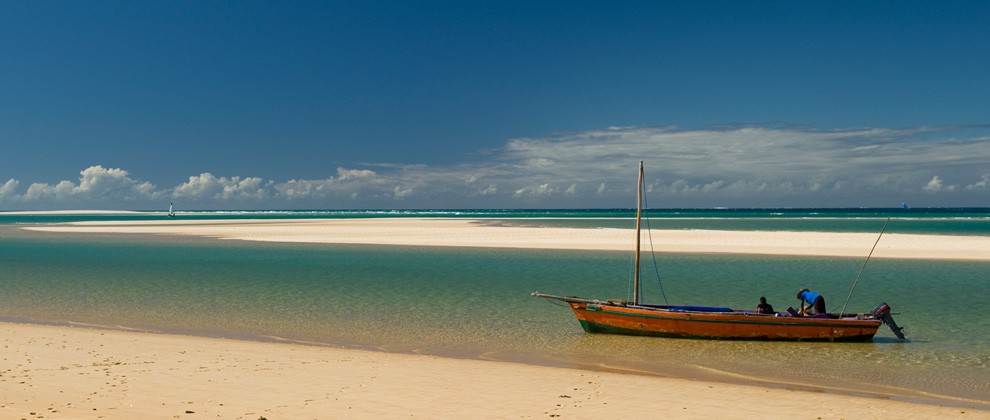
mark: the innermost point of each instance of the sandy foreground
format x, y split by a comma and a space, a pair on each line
65, 372
490, 233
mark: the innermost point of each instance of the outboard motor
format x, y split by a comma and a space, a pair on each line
882, 312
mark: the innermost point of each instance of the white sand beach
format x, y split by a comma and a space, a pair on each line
75, 373
488, 233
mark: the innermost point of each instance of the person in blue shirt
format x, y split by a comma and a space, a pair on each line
813, 300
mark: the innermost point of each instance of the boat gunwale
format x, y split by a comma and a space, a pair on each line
595, 327
734, 317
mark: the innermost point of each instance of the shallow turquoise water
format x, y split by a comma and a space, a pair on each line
475, 303
942, 221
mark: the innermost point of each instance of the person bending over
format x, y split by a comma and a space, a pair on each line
811, 302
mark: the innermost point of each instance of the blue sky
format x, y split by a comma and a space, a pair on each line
502, 104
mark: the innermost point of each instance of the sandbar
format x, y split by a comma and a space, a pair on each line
71, 372
493, 234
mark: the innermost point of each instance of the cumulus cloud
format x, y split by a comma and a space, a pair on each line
244, 189
304, 188
982, 184
206, 186
936, 185
535, 191
400, 192
201, 186
343, 185
489, 190
8, 190
96, 184
735, 166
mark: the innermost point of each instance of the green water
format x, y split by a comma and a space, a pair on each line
475, 303
941, 221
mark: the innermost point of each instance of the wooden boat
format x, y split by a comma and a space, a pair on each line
615, 316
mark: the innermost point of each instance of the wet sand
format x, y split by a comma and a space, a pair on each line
66, 372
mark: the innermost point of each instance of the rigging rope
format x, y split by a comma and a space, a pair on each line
631, 282
656, 267
555, 303
864, 266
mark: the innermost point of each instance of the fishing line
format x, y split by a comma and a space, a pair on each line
864, 266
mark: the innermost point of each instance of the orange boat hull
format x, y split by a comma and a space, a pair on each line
665, 322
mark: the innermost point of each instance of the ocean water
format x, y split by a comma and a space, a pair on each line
475, 303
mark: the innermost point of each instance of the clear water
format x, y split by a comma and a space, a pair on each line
943, 221
475, 303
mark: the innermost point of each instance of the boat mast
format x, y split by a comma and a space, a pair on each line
639, 213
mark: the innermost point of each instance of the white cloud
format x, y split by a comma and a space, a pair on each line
535, 191
198, 187
982, 184
206, 186
713, 186
741, 166
8, 190
489, 190
342, 185
344, 174
303, 188
99, 182
96, 184
936, 185
400, 192
244, 189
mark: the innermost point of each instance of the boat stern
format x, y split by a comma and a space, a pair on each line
882, 312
